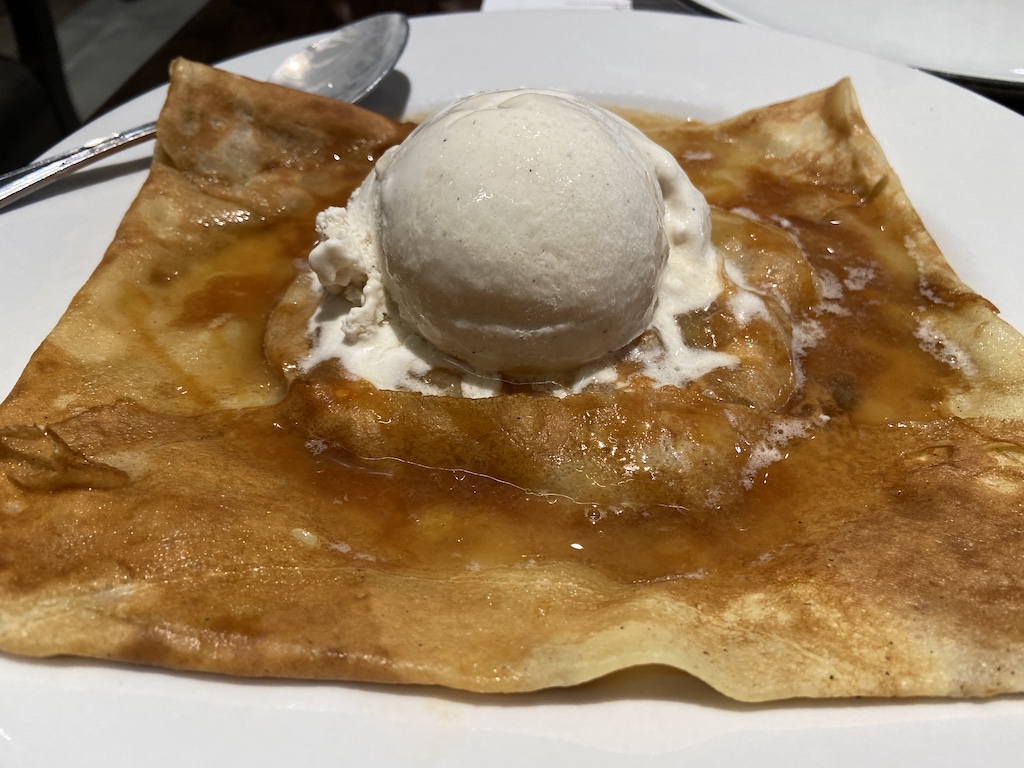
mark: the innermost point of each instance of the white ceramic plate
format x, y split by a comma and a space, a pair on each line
962, 161
980, 39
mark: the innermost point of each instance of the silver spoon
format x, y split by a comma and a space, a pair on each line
346, 65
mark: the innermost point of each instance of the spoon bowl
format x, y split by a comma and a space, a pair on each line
349, 63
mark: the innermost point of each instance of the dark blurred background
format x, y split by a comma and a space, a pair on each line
63, 62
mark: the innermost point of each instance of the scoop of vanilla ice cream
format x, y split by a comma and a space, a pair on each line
522, 232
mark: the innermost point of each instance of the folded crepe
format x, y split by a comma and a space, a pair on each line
841, 514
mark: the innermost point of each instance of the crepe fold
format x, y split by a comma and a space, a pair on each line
176, 492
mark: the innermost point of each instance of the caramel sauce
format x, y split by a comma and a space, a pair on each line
865, 397
867, 369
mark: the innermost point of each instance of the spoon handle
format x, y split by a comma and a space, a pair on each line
42, 172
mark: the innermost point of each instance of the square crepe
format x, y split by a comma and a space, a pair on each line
840, 515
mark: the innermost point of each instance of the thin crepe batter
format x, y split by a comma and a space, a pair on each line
841, 515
